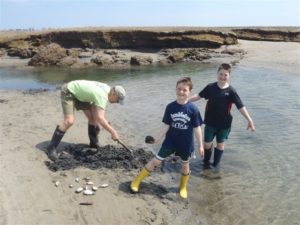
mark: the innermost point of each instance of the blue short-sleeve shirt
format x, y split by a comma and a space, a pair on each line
182, 120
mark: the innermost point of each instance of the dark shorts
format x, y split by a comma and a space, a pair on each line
164, 153
211, 132
70, 103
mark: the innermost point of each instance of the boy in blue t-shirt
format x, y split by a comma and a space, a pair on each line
181, 120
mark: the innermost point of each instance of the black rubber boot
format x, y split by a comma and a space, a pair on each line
51, 149
217, 157
206, 160
93, 132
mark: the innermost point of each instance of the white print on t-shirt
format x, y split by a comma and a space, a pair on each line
179, 120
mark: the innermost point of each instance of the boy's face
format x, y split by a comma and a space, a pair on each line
223, 76
182, 91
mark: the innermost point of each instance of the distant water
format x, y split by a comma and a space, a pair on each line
259, 178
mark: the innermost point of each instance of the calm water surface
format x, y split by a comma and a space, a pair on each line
259, 178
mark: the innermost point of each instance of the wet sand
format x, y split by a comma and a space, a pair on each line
28, 194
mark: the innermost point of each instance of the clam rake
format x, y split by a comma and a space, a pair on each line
124, 146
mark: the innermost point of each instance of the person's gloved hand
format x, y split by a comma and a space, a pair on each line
149, 139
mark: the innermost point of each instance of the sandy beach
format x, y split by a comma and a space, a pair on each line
282, 56
28, 193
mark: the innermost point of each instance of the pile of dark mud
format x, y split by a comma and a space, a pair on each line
108, 156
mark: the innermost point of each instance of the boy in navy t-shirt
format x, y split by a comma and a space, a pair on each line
181, 120
220, 96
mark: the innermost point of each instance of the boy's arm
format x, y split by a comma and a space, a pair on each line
194, 98
198, 134
161, 134
245, 113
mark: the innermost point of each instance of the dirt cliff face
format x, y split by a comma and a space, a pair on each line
147, 38
290, 35
135, 39
142, 46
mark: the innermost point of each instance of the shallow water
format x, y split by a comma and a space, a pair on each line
259, 178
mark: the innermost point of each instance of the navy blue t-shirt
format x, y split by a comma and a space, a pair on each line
182, 120
218, 106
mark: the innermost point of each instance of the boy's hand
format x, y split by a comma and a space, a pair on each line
251, 126
201, 151
149, 139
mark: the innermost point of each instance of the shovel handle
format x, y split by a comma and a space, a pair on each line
121, 143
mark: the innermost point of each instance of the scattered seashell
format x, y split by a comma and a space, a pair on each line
86, 188
103, 185
88, 192
90, 183
87, 178
94, 188
77, 179
57, 183
71, 186
78, 190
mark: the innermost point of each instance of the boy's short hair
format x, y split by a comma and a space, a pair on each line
187, 81
225, 66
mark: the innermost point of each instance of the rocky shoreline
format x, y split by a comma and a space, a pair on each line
132, 47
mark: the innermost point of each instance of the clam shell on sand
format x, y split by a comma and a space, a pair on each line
78, 190
88, 192
103, 185
94, 188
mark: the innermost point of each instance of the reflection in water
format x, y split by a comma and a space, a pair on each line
39, 77
259, 178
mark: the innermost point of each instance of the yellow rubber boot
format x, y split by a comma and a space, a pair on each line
183, 183
136, 183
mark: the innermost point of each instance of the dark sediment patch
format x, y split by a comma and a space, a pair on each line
35, 91
3, 100
108, 156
